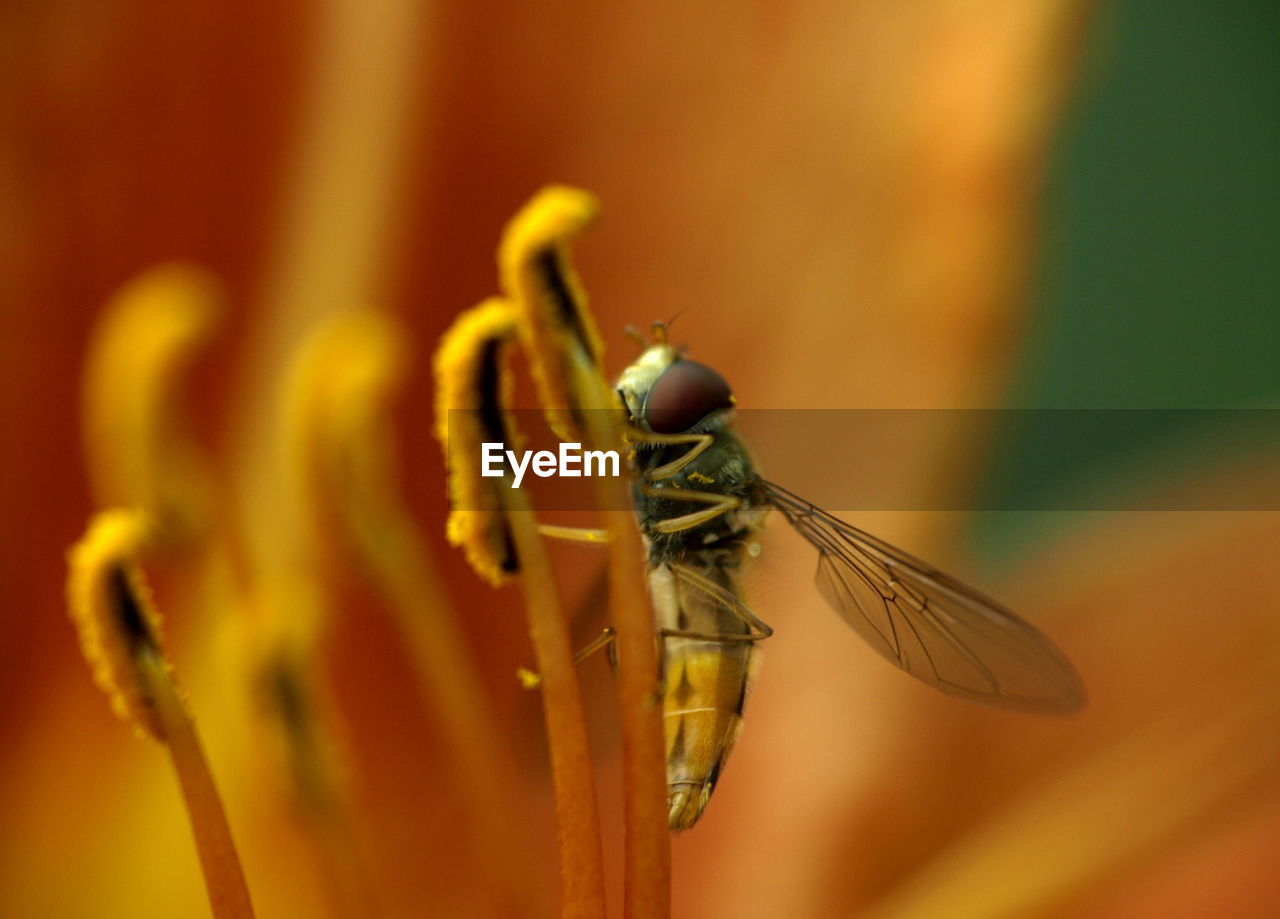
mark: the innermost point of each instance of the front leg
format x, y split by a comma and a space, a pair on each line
698, 443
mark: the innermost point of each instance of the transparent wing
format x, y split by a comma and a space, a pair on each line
929, 624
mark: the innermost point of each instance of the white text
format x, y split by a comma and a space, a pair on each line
572, 462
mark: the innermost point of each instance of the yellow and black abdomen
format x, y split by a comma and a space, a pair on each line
705, 681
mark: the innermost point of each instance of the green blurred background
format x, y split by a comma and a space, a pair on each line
1158, 282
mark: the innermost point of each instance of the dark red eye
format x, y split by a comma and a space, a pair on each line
683, 395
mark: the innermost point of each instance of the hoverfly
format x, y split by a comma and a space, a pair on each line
701, 503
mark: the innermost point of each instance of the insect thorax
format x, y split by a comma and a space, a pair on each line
724, 468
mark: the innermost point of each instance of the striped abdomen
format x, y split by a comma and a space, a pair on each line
705, 682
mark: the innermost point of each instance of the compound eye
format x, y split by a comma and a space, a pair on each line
683, 395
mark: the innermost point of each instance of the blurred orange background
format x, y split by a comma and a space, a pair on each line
845, 204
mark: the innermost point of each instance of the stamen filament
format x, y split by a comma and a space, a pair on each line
119, 634
224, 879
564, 354
349, 369
470, 368
582, 860
647, 854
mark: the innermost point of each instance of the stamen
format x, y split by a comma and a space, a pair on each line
120, 636
566, 359
341, 441
471, 385
137, 452
469, 366
556, 327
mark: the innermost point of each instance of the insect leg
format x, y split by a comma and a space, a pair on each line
637, 336
574, 534
724, 638
759, 629
530, 679
720, 504
603, 640
698, 442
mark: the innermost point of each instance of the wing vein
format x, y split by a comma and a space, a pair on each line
970, 645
